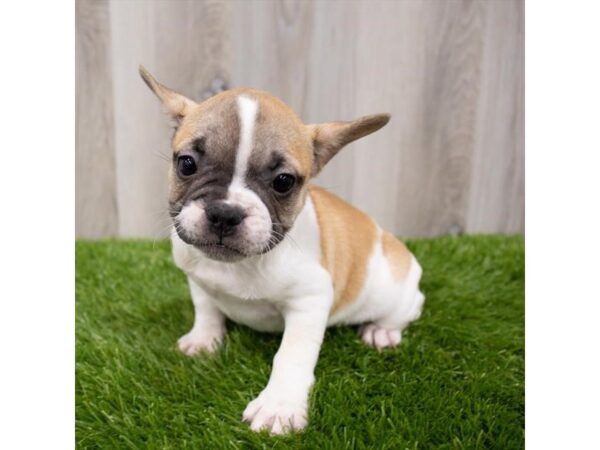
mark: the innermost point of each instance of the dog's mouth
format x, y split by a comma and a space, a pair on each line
215, 249
225, 249
220, 251
218, 247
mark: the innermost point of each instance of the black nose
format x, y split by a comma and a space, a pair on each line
224, 218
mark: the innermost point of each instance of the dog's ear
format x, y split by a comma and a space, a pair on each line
177, 105
329, 138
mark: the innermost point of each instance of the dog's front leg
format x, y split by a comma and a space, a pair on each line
209, 324
283, 404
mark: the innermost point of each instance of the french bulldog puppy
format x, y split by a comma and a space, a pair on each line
265, 248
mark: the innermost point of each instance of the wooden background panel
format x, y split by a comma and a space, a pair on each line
430, 83
450, 72
497, 195
141, 132
95, 189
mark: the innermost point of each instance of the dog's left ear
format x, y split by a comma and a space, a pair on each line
177, 105
330, 138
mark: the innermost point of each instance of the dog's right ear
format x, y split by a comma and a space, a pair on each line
177, 105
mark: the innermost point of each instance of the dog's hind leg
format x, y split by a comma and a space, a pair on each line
407, 305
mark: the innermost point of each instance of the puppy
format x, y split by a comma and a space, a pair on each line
265, 248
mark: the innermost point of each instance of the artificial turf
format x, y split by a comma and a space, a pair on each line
456, 381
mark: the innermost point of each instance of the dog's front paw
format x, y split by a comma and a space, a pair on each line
197, 341
276, 413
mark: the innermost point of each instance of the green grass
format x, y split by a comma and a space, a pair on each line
456, 381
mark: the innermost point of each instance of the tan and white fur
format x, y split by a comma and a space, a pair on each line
295, 261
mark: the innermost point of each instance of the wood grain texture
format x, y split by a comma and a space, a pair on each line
430, 83
497, 196
451, 73
95, 188
184, 44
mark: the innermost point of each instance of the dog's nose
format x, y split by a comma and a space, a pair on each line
223, 218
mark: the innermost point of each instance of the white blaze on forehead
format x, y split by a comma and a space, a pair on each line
256, 227
247, 109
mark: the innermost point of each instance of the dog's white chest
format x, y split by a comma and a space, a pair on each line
259, 314
249, 297
254, 291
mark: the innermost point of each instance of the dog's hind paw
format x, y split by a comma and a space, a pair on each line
379, 337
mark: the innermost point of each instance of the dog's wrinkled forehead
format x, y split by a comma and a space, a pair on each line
215, 125
249, 127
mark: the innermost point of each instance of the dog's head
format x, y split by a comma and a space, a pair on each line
241, 164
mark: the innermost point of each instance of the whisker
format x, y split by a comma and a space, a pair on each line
292, 240
162, 156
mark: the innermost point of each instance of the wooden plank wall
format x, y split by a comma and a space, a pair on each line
95, 181
450, 72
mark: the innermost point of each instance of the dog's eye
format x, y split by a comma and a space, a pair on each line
186, 166
284, 182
